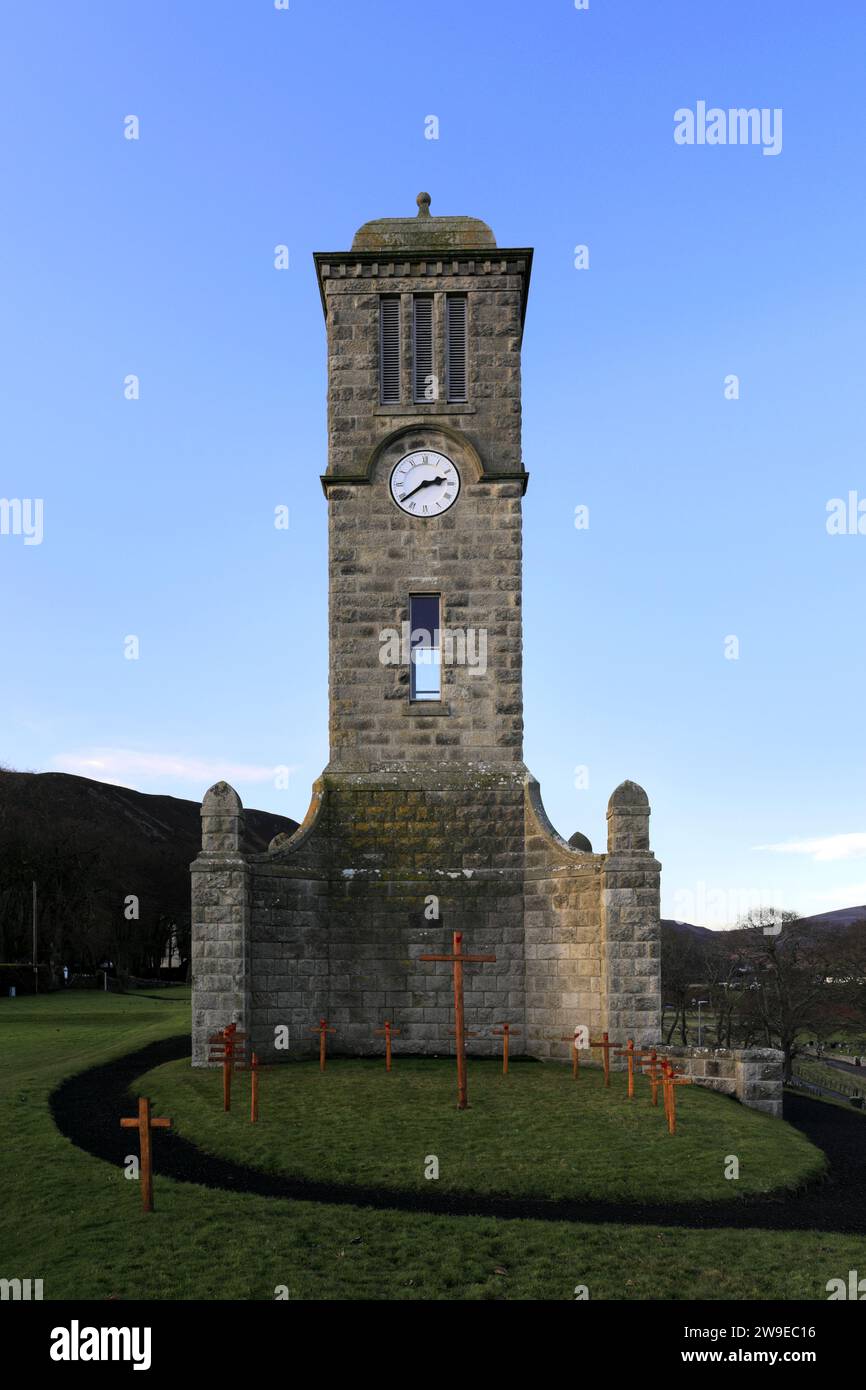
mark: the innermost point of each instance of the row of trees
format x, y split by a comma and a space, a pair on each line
84, 912
772, 981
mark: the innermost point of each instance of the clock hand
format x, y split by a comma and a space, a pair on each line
428, 482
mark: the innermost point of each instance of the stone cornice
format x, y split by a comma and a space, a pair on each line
433, 424
331, 480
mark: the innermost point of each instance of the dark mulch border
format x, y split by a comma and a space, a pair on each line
86, 1109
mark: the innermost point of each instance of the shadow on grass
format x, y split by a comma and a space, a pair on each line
87, 1108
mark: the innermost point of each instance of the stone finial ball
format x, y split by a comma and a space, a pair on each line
423, 201
629, 795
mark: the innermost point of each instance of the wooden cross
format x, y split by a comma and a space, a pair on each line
323, 1030
467, 1033
575, 1052
628, 1051
651, 1066
389, 1031
671, 1078
255, 1066
227, 1047
605, 1044
458, 960
505, 1034
144, 1124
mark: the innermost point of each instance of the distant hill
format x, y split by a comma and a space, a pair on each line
839, 920
89, 845
687, 930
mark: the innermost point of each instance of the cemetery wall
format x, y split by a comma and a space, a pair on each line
753, 1075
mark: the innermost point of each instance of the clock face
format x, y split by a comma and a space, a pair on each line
425, 483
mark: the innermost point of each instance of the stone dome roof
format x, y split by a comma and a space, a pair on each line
579, 841
424, 233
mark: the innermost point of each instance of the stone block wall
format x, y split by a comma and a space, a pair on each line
563, 925
220, 920
331, 921
630, 920
752, 1075
495, 287
378, 557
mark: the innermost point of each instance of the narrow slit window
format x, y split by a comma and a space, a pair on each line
425, 385
425, 644
389, 349
455, 346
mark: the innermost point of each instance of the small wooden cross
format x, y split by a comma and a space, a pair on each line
575, 1052
458, 960
323, 1031
389, 1031
467, 1033
651, 1067
255, 1067
505, 1034
605, 1044
144, 1124
671, 1078
227, 1047
628, 1051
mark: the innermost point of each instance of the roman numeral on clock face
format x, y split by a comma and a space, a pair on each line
424, 485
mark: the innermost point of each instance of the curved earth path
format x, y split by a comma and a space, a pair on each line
86, 1109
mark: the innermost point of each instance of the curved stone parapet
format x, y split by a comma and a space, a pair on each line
562, 931
285, 844
540, 824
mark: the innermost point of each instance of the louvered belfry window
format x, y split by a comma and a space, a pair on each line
455, 343
389, 349
425, 384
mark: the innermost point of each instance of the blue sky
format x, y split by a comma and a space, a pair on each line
708, 516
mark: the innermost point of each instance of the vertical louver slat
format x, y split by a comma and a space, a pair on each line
422, 338
389, 349
455, 338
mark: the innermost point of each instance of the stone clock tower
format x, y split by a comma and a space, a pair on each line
426, 819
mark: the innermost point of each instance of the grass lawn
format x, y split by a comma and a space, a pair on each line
534, 1133
76, 1223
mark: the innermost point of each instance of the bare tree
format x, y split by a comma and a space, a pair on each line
791, 990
